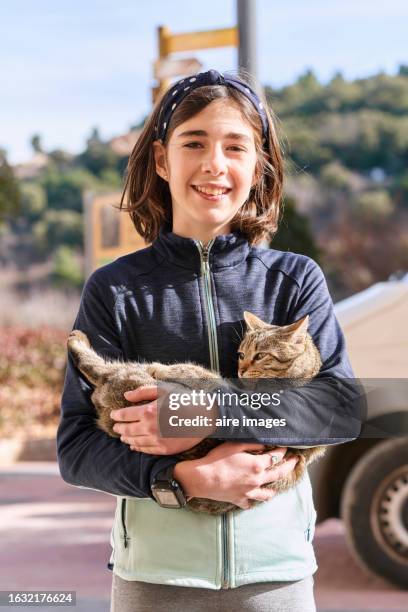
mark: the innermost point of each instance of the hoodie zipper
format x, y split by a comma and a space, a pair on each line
209, 306
215, 366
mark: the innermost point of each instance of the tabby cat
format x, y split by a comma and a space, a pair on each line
266, 351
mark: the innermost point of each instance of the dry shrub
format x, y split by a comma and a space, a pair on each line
32, 367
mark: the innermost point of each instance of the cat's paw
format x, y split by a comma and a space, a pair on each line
154, 370
75, 337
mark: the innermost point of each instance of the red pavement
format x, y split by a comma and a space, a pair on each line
56, 537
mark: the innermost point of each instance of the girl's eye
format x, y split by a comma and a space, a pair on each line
259, 356
240, 355
192, 145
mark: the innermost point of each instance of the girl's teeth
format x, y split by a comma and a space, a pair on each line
211, 191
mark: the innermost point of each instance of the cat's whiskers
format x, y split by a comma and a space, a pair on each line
239, 340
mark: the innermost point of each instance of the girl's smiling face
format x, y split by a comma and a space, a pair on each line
212, 152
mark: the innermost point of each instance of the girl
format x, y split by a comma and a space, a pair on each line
204, 186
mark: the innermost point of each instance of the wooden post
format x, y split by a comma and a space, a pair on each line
163, 33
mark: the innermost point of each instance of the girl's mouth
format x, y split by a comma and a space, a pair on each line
211, 197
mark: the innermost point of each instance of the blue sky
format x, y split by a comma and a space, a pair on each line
67, 66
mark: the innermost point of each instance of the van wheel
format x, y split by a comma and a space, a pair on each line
374, 507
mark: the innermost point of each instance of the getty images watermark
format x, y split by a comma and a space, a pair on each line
208, 400
326, 408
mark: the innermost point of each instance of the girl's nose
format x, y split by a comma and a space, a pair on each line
215, 162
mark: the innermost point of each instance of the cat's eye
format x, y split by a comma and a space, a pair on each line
259, 356
240, 355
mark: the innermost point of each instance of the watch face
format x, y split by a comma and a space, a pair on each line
167, 498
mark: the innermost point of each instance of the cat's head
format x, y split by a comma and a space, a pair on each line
270, 351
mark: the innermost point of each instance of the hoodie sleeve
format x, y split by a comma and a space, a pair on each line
87, 456
328, 410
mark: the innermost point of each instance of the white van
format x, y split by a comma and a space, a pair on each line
365, 482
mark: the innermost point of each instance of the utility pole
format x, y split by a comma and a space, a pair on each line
246, 18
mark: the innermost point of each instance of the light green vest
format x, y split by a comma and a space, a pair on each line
269, 543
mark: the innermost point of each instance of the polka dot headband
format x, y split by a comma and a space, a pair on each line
182, 88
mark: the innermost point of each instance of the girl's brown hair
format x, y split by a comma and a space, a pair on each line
146, 196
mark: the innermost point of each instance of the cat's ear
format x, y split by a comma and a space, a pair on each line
253, 322
298, 330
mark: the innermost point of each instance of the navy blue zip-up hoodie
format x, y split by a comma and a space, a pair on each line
150, 306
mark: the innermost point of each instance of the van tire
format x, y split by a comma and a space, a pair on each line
374, 507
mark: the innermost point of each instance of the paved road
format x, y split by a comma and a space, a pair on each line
56, 537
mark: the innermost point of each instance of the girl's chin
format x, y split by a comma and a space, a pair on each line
214, 215
220, 209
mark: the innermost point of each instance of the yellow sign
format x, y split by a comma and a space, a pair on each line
190, 41
109, 232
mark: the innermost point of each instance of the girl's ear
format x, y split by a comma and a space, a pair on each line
159, 153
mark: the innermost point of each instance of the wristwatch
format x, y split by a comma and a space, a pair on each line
167, 491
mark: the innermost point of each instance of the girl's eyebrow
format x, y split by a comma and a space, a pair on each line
230, 135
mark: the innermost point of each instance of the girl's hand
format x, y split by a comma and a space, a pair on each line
230, 473
139, 426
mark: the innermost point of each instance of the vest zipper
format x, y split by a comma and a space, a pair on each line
123, 517
225, 566
215, 366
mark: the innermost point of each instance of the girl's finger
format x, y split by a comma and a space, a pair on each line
275, 456
280, 471
135, 428
125, 414
268, 460
141, 394
137, 439
261, 494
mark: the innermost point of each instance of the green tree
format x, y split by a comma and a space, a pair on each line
33, 201
94, 137
400, 190
403, 70
340, 95
373, 206
111, 179
294, 232
303, 97
61, 160
387, 93
67, 271
56, 228
98, 156
305, 149
64, 189
10, 195
36, 143
335, 176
